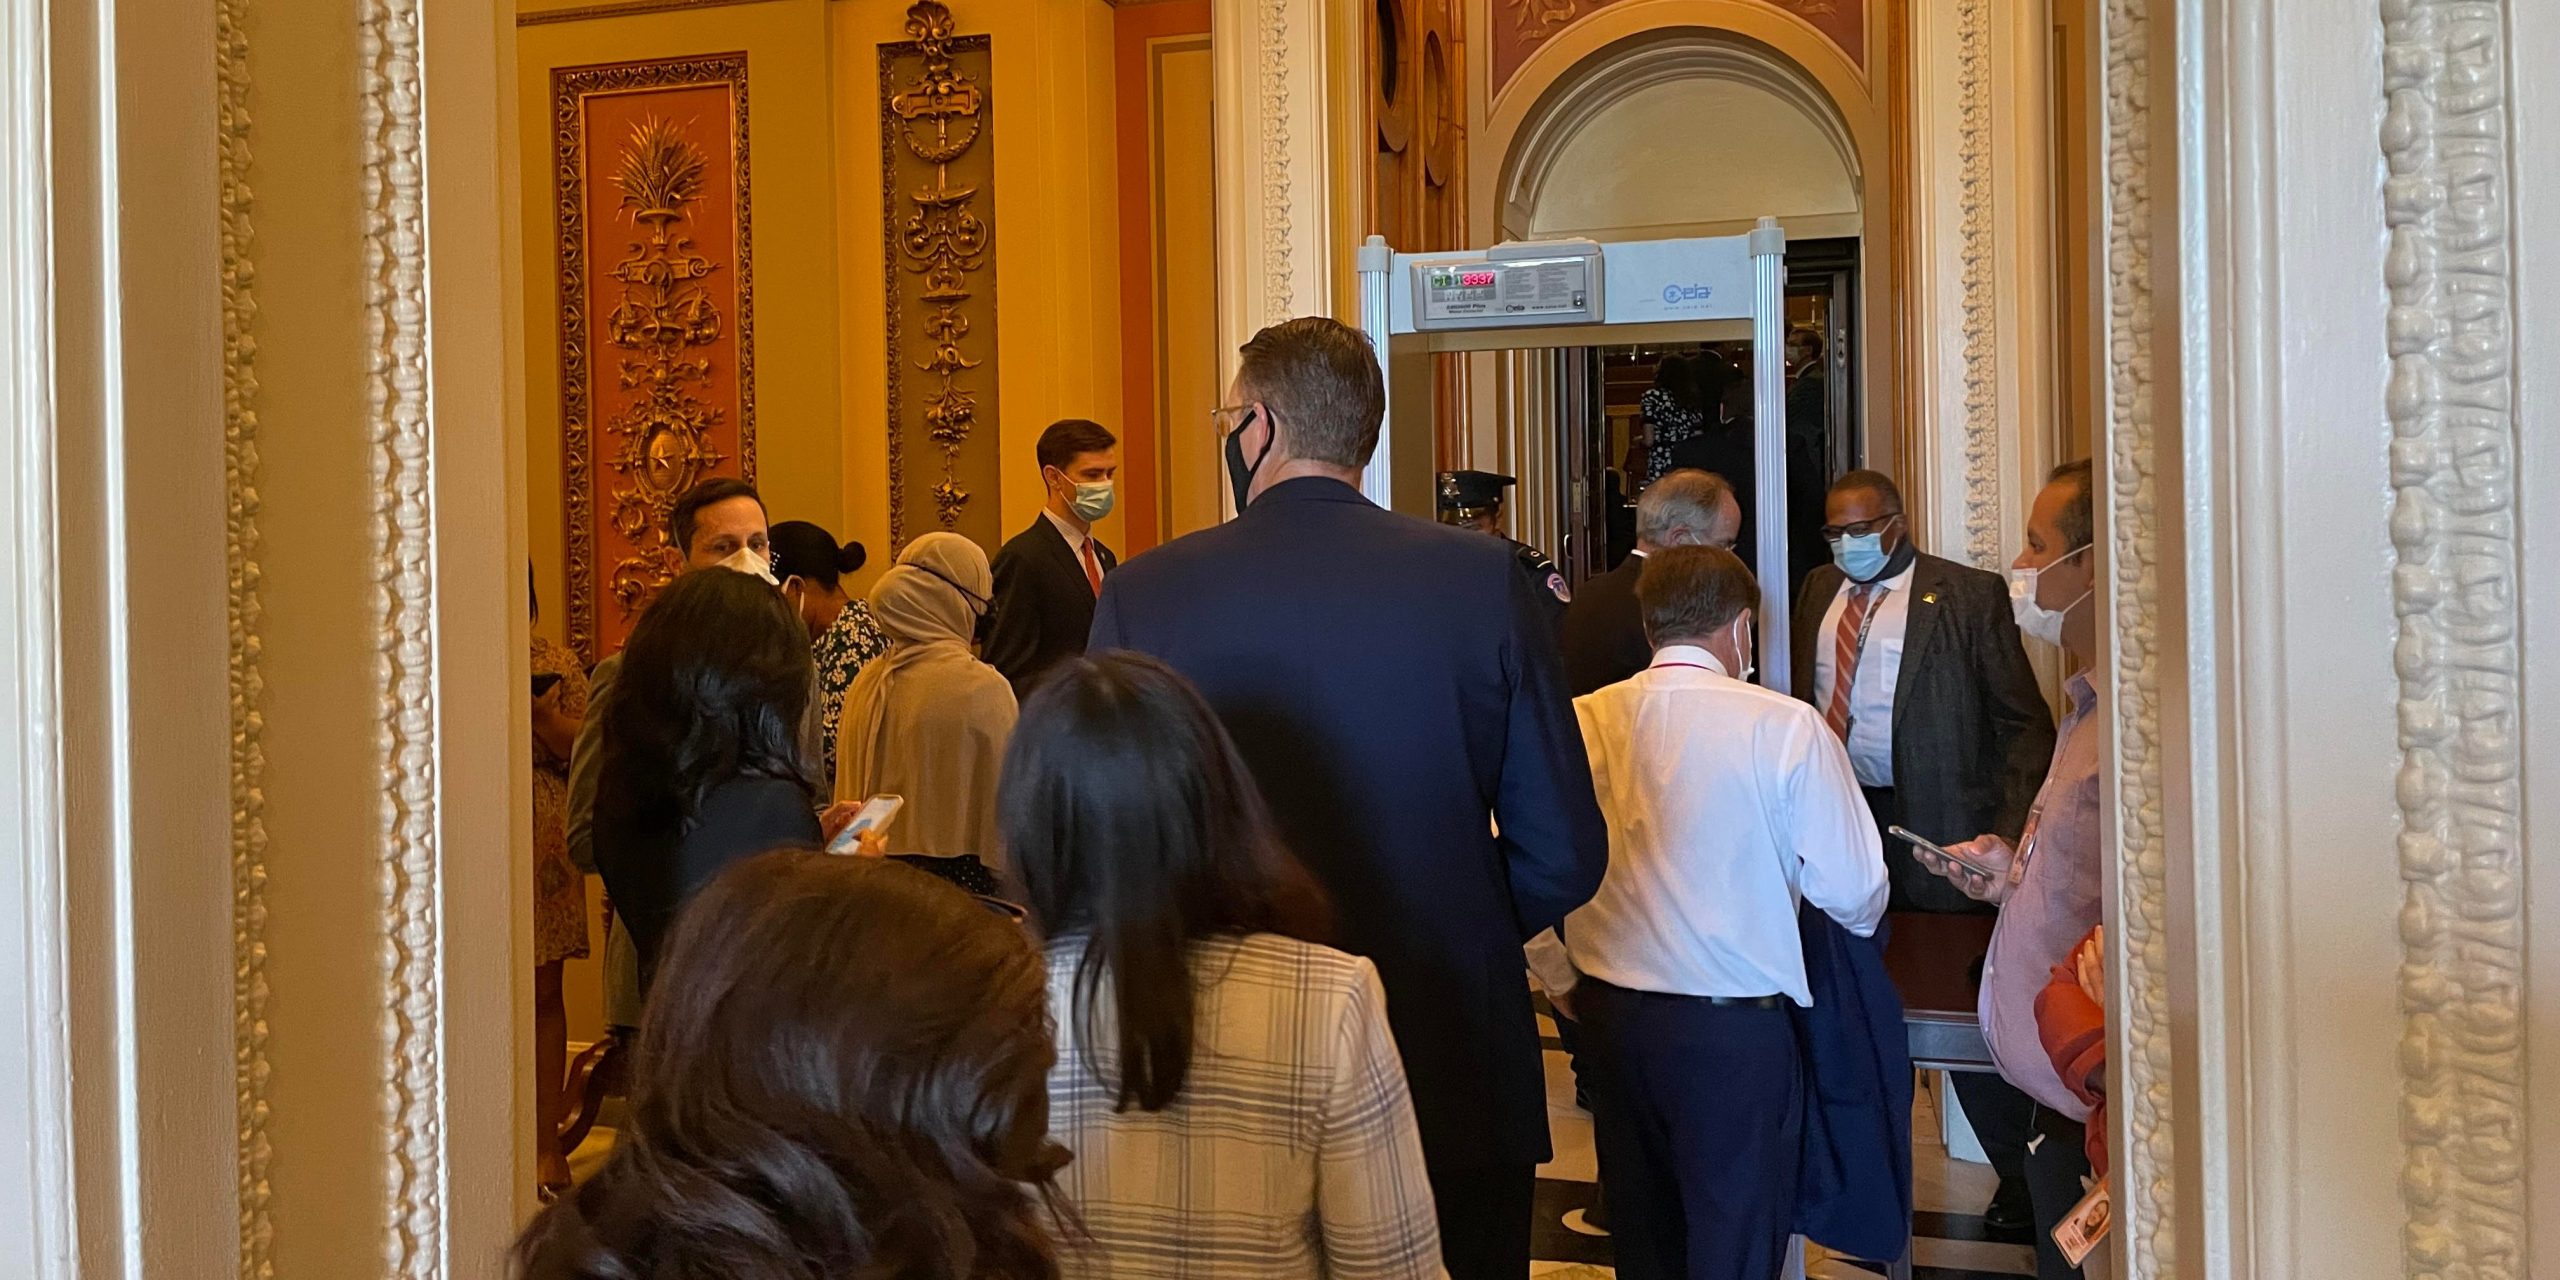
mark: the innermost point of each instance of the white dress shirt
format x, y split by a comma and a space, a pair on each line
1879, 670
1727, 805
1075, 539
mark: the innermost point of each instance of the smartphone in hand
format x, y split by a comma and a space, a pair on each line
874, 814
1940, 850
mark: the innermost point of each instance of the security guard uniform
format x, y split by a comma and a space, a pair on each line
1474, 498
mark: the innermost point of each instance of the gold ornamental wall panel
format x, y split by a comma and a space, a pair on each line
937, 191
657, 318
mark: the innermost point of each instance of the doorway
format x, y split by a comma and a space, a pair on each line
1629, 413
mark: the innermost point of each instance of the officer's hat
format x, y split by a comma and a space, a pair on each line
1467, 494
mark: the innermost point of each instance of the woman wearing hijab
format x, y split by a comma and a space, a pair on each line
927, 720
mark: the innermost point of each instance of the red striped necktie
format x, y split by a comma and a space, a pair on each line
1847, 644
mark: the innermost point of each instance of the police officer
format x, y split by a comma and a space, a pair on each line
1473, 500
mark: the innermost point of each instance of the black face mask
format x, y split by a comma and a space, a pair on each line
986, 608
1240, 475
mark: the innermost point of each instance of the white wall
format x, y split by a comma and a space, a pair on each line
1694, 157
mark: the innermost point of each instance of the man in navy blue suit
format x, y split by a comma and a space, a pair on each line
1394, 686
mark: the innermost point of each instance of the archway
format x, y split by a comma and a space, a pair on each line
1684, 130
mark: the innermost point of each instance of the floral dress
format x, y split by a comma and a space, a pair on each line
559, 888
1666, 424
854, 639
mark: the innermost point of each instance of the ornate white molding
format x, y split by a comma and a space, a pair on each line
2143, 1198
1273, 35
2445, 136
1984, 487
246, 607
402, 438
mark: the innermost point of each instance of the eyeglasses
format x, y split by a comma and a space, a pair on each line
1835, 532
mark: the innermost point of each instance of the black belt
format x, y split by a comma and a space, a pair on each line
1744, 1002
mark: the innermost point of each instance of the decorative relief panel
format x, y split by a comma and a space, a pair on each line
657, 337
937, 190
2141, 855
1520, 26
247, 609
2446, 67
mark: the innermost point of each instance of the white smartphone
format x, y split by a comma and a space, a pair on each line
874, 814
1940, 850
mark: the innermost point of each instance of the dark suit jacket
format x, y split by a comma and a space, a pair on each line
1853, 1191
651, 867
1044, 604
1393, 686
1603, 635
1972, 734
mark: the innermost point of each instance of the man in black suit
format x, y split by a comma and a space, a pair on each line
1603, 637
1917, 663
1394, 688
1048, 576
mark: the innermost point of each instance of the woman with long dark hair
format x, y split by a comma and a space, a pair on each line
704, 758
840, 1078
1232, 1095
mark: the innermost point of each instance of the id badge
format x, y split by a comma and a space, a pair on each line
2085, 1227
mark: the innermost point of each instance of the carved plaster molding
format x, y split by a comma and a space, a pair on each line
2144, 1201
1977, 275
1279, 299
402, 435
2446, 67
246, 609
1977, 251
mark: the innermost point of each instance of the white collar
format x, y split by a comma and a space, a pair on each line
1075, 540
1673, 655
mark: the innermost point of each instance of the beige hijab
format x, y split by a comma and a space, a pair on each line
927, 720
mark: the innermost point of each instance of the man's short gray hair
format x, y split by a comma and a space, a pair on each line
1685, 508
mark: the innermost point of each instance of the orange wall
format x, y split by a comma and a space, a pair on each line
1166, 229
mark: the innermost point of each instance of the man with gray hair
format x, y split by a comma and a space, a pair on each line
1603, 636
1726, 804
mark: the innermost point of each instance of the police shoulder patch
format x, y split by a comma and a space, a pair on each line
1555, 583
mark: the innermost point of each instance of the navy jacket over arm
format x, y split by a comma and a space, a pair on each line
1853, 1192
1395, 690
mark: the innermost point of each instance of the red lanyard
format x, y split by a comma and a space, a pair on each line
1664, 666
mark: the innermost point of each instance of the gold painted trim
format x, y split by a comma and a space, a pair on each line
246, 609
625, 9
946, 244
570, 87
1158, 48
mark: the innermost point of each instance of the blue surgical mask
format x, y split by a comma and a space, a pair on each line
1861, 557
1091, 501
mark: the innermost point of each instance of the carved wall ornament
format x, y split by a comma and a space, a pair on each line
940, 258
1279, 290
1538, 19
657, 352
246, 609
402, 435
1977, 275
2141, 855
2451, 401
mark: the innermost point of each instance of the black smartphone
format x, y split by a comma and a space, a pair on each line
544, 681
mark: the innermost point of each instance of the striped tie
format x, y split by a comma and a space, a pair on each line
1844, 657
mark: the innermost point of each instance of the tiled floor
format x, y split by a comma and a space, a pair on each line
1947, 1194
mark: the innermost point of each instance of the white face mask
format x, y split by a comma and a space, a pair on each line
2033, 618
1742, 647
751, 562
